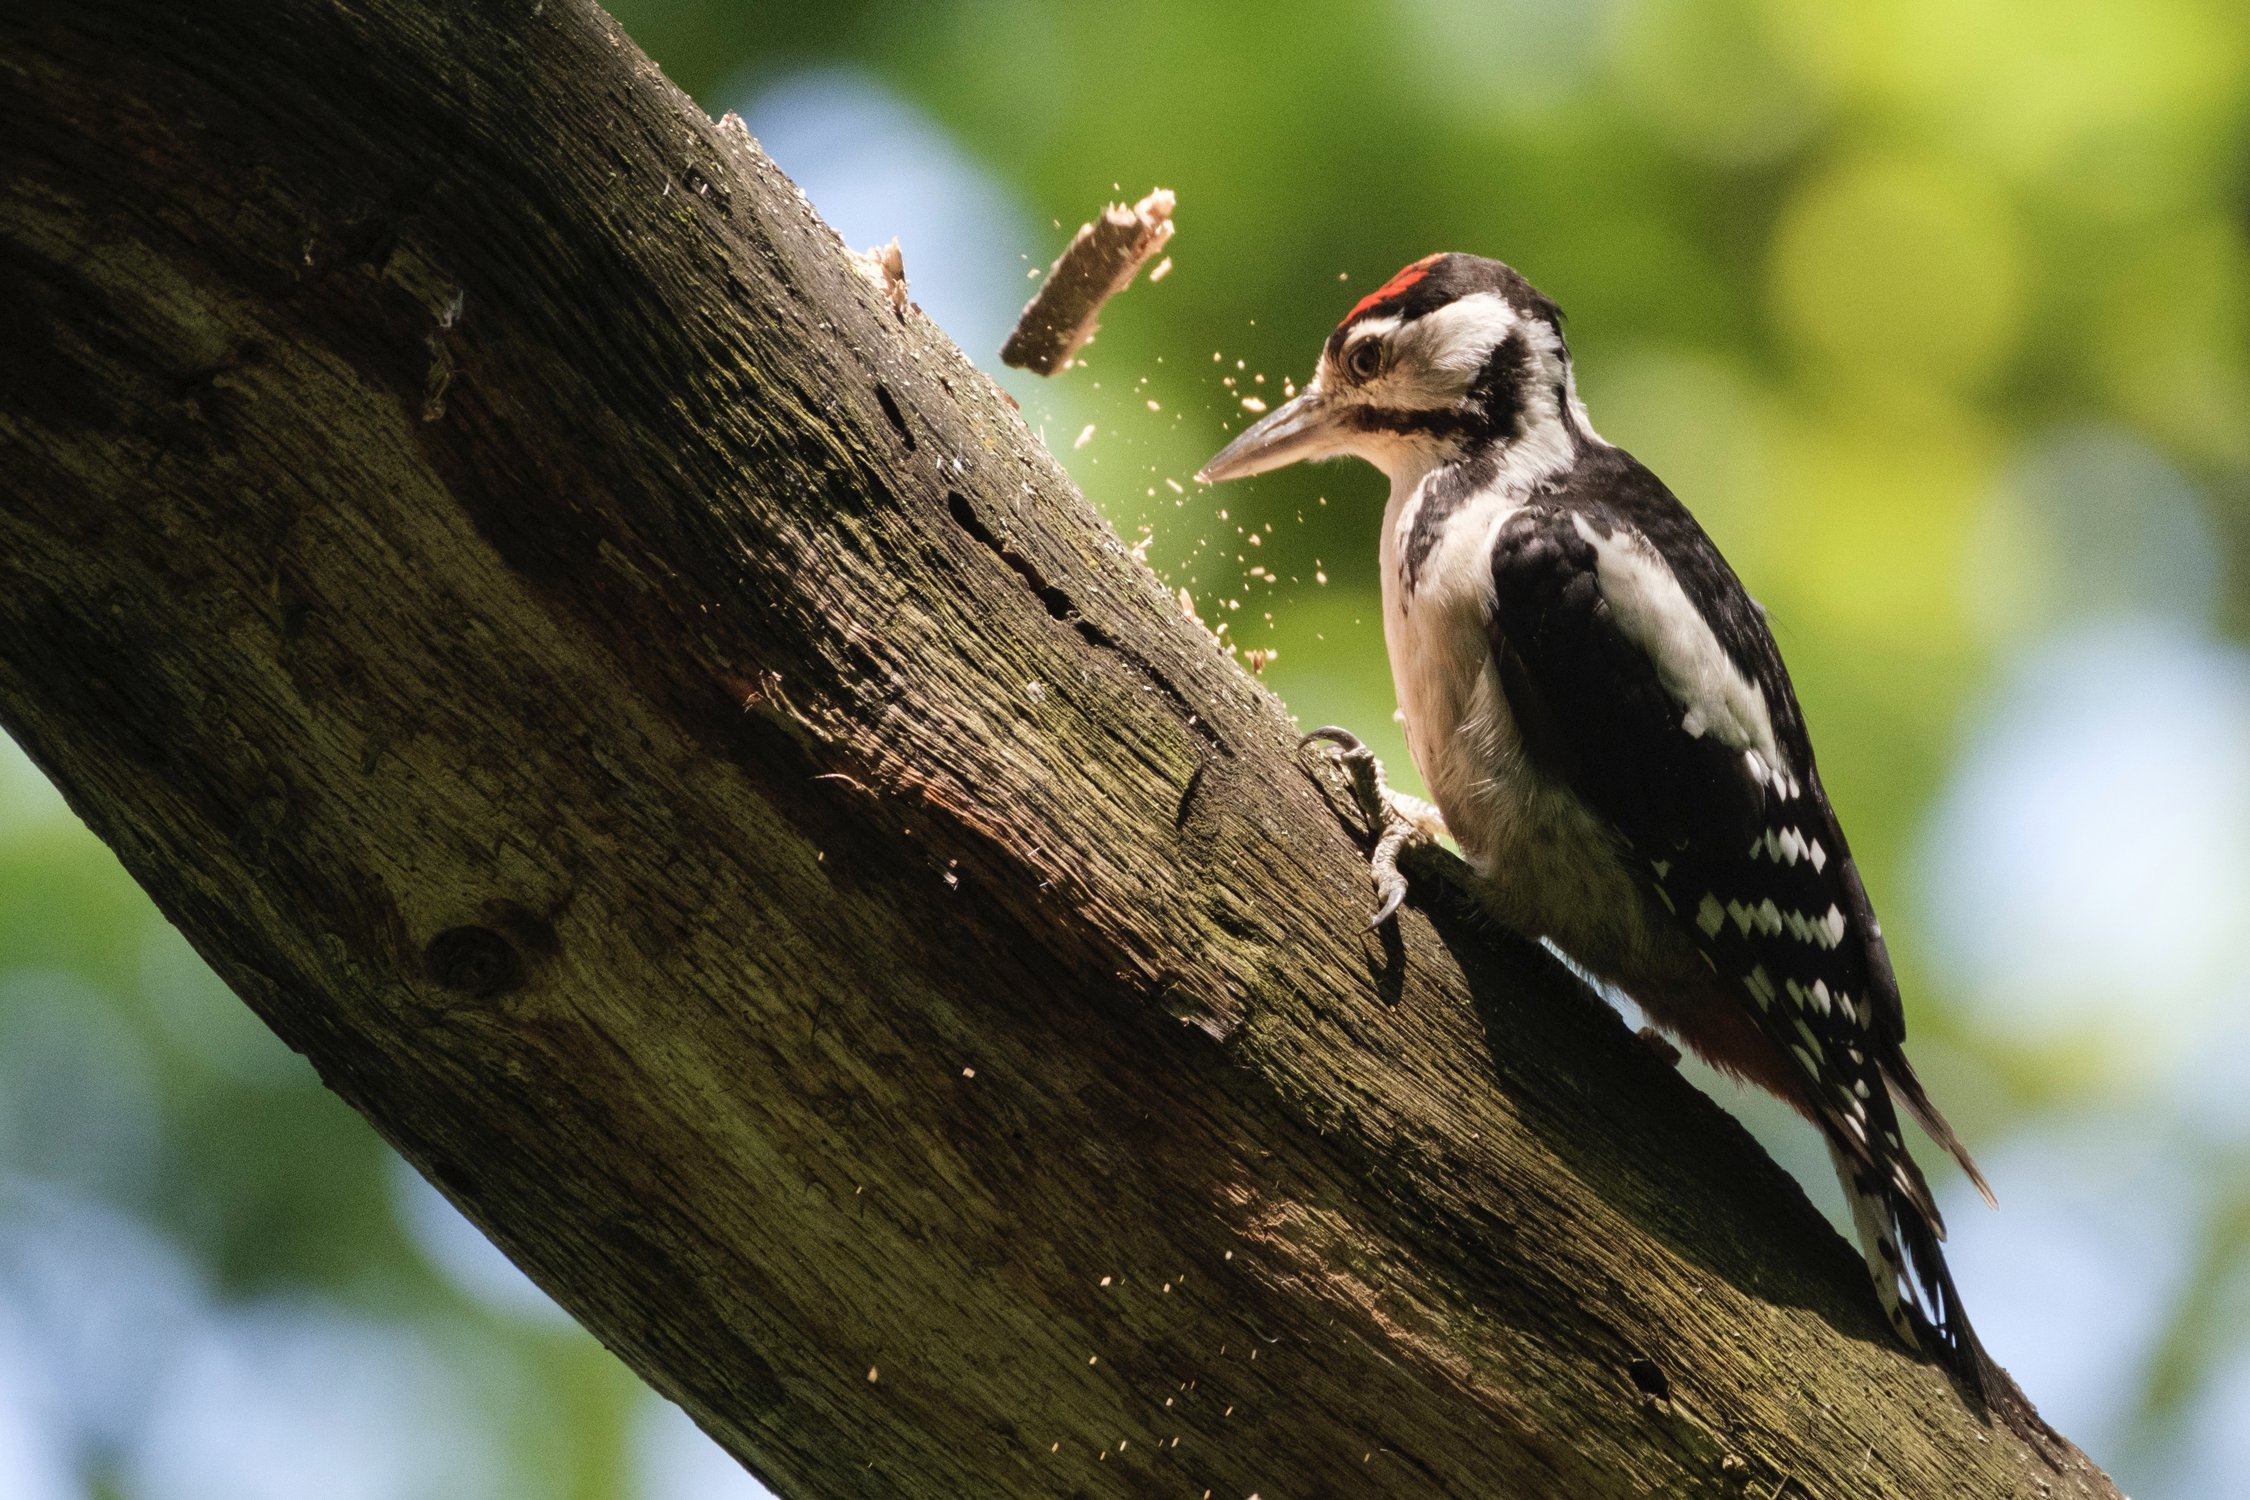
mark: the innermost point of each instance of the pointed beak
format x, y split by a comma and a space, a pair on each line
1303, 428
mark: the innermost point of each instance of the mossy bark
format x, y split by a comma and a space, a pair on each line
647, 721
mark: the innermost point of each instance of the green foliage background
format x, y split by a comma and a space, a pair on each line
1830, 269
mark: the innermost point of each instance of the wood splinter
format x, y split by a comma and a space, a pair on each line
1100, 262
885, 267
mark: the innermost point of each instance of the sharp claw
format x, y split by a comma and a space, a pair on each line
1393, 830
1360, 766
1342, 739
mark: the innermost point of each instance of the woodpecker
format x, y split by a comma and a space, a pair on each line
1600, 712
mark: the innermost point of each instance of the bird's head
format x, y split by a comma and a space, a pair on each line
1454, 353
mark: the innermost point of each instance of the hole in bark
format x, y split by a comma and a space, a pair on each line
884, 399
1649, 1379
473, 960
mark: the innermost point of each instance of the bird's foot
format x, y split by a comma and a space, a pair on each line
1396, 819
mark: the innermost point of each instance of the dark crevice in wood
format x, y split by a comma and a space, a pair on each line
1059, 607
889, 403
1649, 1380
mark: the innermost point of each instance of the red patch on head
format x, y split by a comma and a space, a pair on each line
1396, 286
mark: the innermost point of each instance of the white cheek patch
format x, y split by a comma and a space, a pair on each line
1446, 348
1656, 615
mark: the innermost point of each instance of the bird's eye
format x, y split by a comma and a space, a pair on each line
1365, 360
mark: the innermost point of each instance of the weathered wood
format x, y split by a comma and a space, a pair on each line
660, 736
1100, 261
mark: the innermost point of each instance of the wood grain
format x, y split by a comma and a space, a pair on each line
674, 752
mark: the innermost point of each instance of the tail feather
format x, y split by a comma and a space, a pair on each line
1899, 1242
1946, 1324
1907, 1089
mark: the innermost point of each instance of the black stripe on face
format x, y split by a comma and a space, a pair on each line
1499, 389
1449, 421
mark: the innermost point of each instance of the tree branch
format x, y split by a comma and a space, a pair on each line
652, 727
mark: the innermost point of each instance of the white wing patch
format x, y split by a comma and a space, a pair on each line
1827, 930
1817, 997
1785, 846
1656, 615
1710, 916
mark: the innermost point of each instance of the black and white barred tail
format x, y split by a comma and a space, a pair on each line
1899, 1237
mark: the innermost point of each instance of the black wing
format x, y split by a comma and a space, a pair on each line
1745, 852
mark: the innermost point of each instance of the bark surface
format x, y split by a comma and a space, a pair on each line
646, 720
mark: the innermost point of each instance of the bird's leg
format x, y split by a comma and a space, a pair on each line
1396, 819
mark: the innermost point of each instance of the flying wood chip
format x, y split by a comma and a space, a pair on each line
1100, 263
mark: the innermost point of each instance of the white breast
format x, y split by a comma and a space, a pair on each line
1457, 722
1549, 868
